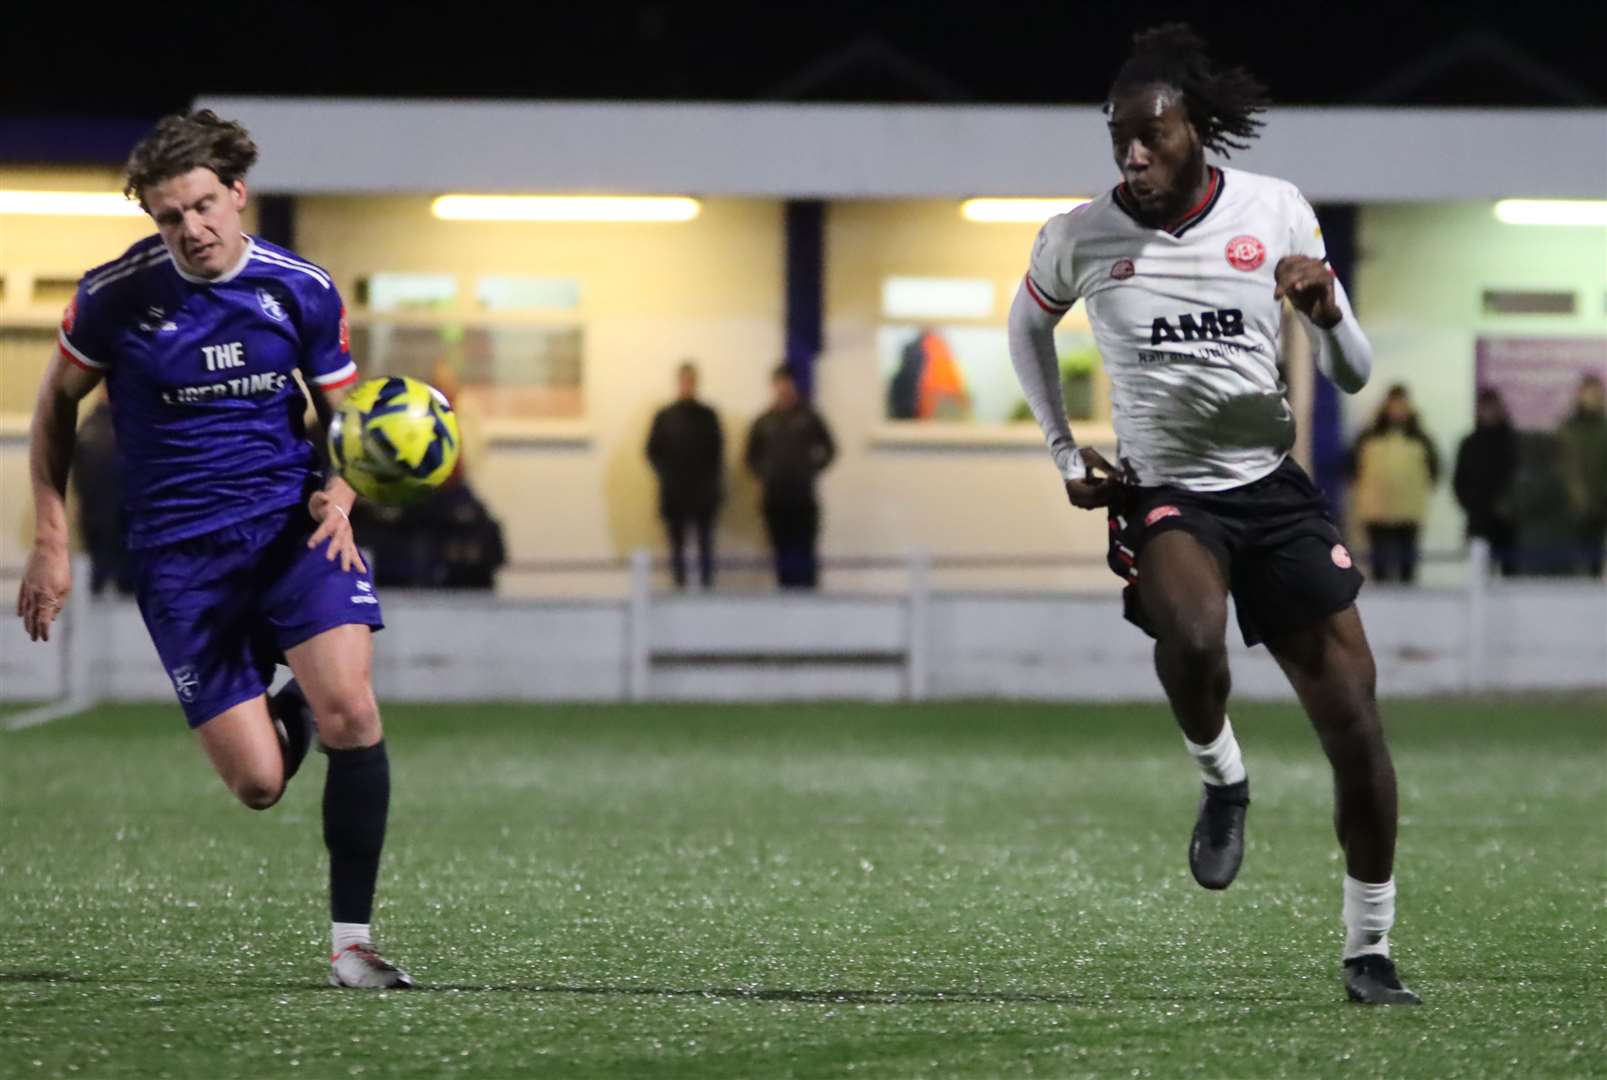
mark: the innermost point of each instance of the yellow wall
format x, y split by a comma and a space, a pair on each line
995, 494
651, 296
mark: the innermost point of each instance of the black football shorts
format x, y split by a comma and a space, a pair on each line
1284, 560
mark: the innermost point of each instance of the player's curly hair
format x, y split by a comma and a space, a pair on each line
185, 141
1222, 102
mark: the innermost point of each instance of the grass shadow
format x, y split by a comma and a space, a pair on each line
23, 977
830, 996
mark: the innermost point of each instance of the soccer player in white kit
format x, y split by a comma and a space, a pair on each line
1184, 267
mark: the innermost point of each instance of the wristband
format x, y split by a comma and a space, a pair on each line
1072, 467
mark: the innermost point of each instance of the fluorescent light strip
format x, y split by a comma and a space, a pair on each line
69, 204
565, 208
1033, 211
1584, 212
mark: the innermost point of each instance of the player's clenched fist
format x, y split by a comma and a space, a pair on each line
1093, 490
1309, 285
45, 585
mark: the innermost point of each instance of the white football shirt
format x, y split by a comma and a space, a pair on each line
1186, 324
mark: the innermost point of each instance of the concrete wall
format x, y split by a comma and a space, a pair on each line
888, 151
1048, 646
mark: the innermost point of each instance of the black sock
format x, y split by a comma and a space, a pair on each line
289, 707
357, 797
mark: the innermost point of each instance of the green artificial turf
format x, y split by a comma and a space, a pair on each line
966, 890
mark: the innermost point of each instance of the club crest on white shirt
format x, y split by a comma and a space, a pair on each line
1246, 253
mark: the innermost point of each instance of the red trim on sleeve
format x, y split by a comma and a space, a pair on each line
341, 384
77, 362
1043, 301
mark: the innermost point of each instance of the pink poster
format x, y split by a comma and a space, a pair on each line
1538, 376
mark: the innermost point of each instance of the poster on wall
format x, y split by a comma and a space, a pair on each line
494, 370
964, 373
1537, 377
943, 354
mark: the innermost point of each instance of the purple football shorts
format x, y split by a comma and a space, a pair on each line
222, 608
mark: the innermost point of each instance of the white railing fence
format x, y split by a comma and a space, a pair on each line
71, 662
908, 635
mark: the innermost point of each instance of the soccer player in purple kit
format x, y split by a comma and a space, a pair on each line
244, 555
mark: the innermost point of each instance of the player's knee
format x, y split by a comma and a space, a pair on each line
1198, 638
258, 792
350, 721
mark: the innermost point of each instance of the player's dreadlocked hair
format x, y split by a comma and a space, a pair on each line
185, 141
1222, 103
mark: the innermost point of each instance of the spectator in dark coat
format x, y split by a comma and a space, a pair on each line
788, 447
687, 450
97, 476
1541, 507
1486, 465
1583, 438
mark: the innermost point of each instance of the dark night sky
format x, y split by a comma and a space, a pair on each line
59, 60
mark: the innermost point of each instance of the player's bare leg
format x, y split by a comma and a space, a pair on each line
333, 669
1185, 601
257, 745
1331, 668
245, 752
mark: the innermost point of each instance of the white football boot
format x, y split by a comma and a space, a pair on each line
361, 967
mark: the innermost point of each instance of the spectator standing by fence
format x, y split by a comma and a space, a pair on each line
1486, 466
788, 447
1583, 439
686, 448
1395, 468
97, 477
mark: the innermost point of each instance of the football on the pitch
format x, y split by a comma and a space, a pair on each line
394, 439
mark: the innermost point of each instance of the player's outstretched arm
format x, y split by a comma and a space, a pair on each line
1339, 348
47, 579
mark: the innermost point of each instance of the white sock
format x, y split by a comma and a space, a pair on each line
343, 935
1369, 913
1219, 760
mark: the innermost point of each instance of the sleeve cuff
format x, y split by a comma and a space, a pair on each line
77, 356
334, 380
